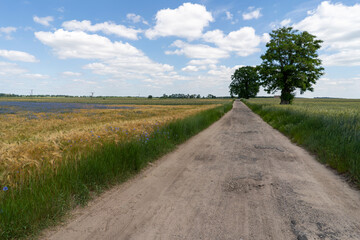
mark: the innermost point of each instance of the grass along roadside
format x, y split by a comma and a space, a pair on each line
329, 129
45, 197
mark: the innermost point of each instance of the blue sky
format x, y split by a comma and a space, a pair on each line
132, 48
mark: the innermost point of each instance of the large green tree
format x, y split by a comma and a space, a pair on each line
291, 62
245, 82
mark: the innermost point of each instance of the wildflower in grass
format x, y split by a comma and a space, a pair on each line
98, 136
5, 188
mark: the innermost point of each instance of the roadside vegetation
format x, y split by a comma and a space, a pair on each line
329, 128
55, 158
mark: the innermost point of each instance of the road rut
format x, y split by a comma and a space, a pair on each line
238, 179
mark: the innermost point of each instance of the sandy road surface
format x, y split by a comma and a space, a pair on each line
238, 179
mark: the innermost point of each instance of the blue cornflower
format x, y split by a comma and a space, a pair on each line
98, 136
5, 188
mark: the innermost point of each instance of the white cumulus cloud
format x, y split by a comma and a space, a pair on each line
113, 59
243, 41
199, 51
7, 69
346, 57
203, 62
83, 81
7, 31
229, 16
186, 21
192, 68
338, 26
136, 18
133, 17
78, 44
14, 71
105, 27
253, 14
71, 74
43, 20
17, 56
35, 76
285, 22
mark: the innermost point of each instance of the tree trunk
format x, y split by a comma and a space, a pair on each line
286, 96
247, 90
283, 101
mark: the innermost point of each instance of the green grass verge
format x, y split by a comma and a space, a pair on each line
333, 138
45, 198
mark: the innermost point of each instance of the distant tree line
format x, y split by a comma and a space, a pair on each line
9, 95
39, 96
181, 95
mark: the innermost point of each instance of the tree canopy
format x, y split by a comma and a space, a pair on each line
245, 82
291, 62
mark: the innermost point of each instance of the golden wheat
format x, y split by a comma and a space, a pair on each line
47, 138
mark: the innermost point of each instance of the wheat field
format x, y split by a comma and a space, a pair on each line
35, 134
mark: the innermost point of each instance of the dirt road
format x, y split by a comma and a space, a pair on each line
238, 179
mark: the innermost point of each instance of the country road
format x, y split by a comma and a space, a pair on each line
238, 179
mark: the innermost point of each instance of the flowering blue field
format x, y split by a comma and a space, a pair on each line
53, 107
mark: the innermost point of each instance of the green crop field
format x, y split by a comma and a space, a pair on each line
329, 128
